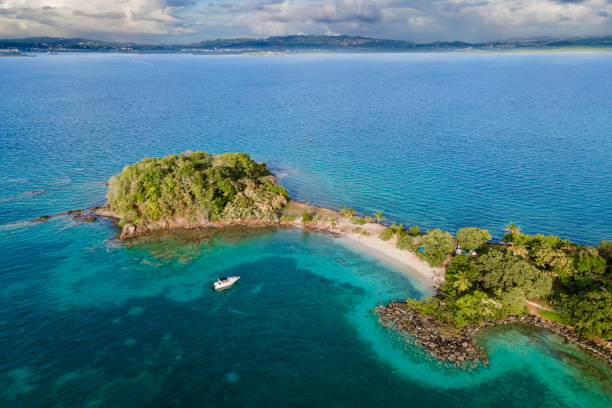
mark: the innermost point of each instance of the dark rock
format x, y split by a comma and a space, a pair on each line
129, 231
43, 218
446, 342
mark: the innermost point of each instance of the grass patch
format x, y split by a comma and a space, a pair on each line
550, 315
358, 220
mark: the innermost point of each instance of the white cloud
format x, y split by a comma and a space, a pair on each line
91, 17
417, 20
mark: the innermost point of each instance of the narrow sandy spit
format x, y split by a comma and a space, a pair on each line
404, 261
364, 238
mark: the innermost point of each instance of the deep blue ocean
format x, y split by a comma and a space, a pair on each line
438, 140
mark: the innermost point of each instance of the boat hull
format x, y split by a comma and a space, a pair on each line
221, 285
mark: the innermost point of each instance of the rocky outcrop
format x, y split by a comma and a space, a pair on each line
130, 231
441, 340
85, 215
446, 342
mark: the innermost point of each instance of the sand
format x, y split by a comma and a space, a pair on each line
366, 238
404, 261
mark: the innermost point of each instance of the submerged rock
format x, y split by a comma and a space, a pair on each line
43, 218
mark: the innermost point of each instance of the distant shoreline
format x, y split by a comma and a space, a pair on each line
266, 53
304, 43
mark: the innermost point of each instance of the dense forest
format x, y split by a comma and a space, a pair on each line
197, 186
493, 280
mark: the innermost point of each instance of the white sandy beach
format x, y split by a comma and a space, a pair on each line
404, 261
367, 239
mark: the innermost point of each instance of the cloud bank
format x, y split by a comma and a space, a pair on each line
417, 20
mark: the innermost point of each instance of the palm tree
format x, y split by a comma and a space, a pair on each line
513, 232
512, 229
379, 216
347, 211
461, 283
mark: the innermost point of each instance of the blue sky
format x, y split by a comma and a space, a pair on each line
175, 21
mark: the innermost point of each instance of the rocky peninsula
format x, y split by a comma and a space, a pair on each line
445, 342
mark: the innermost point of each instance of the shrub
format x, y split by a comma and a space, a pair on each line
406, 243
590, 313
288, 217
498, 270
436, 245
277, 189
472, 238
387, 234
358, 220
414, 230
347, 211
306, 217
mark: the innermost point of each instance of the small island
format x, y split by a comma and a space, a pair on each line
475, 282
193, 189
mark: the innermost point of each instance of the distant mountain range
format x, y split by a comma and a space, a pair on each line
293, 43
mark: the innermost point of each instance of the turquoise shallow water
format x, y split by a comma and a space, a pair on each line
439, 140
88, 321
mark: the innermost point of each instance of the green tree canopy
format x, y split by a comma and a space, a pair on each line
436, 244
460, 276
198, 186
590, 313
378, 215
474, 307
347, 211
472, 238
499, 270
605, 250
414, 230
587, 260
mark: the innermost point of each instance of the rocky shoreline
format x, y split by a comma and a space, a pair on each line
448, 343
130, 231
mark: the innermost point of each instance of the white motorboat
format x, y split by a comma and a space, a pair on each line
225, 282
